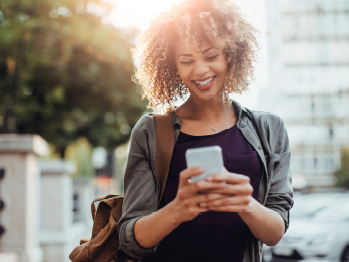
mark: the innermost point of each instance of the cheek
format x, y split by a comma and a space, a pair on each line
185, 78
223, 67
183, 73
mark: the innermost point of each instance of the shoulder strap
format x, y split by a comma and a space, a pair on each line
164, 148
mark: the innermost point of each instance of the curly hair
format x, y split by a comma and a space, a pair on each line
218, 21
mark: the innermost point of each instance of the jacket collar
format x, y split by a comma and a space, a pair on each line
239, 109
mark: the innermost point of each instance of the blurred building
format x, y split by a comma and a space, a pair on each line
308, 49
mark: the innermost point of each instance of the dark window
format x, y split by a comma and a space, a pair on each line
315, 162
312, 105
331, 132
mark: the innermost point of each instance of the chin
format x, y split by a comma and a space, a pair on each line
206, 97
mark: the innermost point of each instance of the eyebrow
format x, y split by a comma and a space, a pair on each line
208, 49
203, 52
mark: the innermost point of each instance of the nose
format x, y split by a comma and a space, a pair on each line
201, 68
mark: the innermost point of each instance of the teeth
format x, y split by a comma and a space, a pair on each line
203, 83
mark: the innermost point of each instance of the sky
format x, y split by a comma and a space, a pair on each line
139, 13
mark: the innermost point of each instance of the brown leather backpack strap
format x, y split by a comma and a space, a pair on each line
164, 148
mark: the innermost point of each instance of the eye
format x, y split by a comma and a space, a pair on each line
210, 58
186, 62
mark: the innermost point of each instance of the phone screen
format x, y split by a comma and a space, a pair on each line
210, 158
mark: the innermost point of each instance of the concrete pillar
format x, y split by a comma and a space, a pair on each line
19, 190
8, 257
56, 210
85, 193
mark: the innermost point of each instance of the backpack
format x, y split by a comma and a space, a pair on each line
103, 245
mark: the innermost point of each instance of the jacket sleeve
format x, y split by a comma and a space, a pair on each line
141, 187
280, 193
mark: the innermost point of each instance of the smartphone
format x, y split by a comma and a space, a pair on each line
210, 158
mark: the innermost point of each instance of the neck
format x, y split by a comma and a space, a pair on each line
204, 117
207, 109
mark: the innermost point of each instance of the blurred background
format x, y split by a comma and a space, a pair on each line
68, 105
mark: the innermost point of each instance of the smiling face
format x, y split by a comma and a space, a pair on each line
202, 70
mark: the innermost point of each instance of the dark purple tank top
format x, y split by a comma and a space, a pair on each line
211, 236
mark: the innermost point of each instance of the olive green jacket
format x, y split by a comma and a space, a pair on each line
142, 188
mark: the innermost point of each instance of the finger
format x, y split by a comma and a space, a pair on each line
200, 187
197, 209
194, 204
188, 190
187, 173
234, 208
211, 188
230, 178
202, 199
232, 190
204, 185
229, 201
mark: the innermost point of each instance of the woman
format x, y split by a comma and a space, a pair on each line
201, 51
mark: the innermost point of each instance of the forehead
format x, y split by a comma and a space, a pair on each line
186, 47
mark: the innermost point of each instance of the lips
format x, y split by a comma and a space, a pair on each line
205, 83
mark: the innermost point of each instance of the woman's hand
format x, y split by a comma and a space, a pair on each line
236, 196
150, 230
235, 193
190, 199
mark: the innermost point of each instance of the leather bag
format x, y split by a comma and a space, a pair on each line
103, 245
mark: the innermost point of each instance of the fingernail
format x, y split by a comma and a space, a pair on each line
210, 178
222, 184
203, 205
200, 169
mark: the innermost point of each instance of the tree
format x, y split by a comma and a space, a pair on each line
64, 74
342, 175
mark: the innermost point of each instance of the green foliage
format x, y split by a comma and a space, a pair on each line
342, 175
64, 74
80, 153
